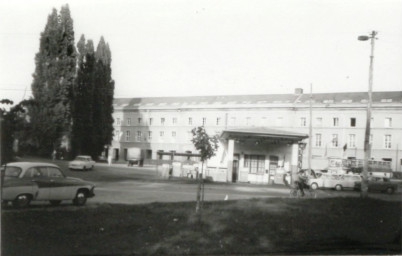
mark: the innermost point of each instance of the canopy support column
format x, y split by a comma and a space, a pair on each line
230, 160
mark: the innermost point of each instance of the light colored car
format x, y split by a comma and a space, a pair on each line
334, 181
345, 181
23, 182
82, 163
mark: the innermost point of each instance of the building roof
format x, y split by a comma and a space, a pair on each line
324, 98
262, 132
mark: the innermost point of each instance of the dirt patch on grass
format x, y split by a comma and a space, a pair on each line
258, 226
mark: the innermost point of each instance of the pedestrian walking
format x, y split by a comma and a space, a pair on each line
109, 160
54, 155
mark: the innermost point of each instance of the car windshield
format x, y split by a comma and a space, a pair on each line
12, 171
81, 158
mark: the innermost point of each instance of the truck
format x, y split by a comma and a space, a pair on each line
135, 156
376, 168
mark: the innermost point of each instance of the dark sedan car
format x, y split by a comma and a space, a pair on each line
379, 184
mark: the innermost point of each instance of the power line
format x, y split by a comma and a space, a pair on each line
12, 89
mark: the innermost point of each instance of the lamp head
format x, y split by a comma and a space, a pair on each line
363, 38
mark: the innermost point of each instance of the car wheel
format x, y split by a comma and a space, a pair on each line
84, 168
22, 201
55, 202
81, 198
390, 191
314, 186
338, 187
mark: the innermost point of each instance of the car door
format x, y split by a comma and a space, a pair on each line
61, 188
374, 184
39, 177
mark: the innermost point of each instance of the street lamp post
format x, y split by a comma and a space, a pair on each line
367, 150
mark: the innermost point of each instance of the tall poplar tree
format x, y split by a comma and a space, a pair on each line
93, 99
83, 98
103, 97
52, 82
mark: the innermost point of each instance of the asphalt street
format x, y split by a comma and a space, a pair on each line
138, 185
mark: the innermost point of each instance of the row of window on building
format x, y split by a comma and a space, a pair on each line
278, 122
139, 136
334, 142
351, 143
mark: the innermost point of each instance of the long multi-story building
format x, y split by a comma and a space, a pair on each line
338, 120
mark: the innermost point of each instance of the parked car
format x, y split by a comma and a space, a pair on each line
379, 184
346, 181
24, 182
82, 162
320, 181
334, 181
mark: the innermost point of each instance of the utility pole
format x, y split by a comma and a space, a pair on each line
397, 156
367, 151
310, 129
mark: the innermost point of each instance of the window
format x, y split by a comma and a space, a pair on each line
149, 135
387, 141
388, 122
162, 121
128, 121
255, 163
116, 135
334, 140
353, 122
139, 135
174, 120
303, 122
233, 121
318, 139
150, 121
32, 172
218, 121
318, 121
139, 120
352, 141
248, 121
279, 121
118, 121
173, 134
161, 133
335, 121
127, 135
204, 121
190, 121
54, 172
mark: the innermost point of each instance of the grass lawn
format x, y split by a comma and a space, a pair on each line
259, 226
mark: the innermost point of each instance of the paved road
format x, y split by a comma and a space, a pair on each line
133, 185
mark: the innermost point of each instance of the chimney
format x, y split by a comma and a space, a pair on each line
298, 91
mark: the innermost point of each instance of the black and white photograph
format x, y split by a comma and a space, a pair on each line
200, 127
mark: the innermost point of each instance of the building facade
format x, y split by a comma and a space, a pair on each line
338, 125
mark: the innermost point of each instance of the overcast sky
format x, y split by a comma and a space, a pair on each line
217, 47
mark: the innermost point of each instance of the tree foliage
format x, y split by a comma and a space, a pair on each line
93, 99
205, 144
12, 122
53, 81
